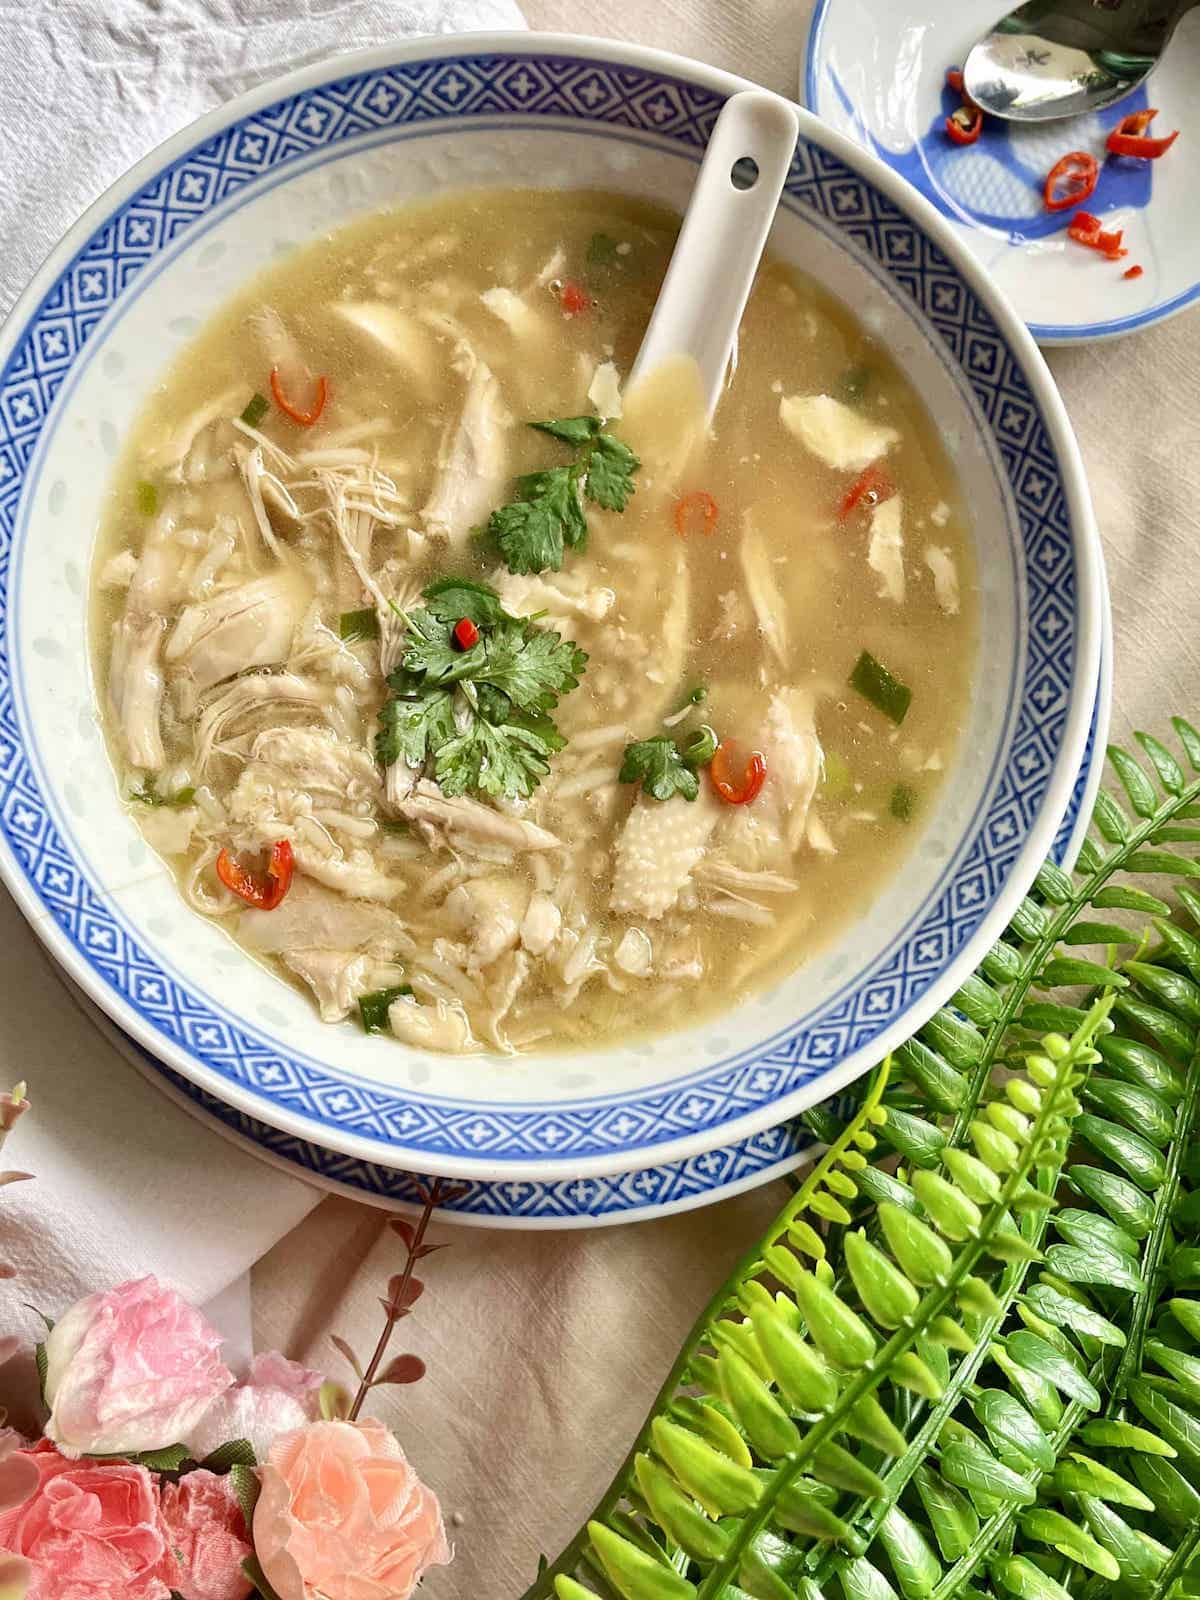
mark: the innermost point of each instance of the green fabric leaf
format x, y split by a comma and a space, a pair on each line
235, 1452
246, 1487
258, 1578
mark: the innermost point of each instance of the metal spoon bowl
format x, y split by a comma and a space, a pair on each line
1058, 58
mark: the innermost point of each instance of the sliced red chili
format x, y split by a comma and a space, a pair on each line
1071, 179
695, 513
868, 490
1129, 137
1088, 230
264, 893
1133, 272
573, 298
737, 777
466, 634
965, 124
304, 418
954, 79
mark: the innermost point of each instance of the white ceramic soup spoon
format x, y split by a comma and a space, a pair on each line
721, 241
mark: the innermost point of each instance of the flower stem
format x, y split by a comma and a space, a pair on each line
397, 1300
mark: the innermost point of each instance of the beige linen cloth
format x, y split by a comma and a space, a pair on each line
544, 1350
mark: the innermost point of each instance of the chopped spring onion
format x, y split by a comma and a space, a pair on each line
882, 688
147, 497
256, 409
602, 251
903, 803
853, 386
148, 795
701, 747
362, 624
836, 780
373, 1007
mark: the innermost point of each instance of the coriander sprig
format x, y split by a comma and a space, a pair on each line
478, 719
546, 514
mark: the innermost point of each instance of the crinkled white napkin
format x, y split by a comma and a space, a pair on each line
125, 1182
88, 86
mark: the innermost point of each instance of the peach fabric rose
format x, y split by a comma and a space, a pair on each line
342, 1516
208, 1537
276, 1396
130, 1369
90, 1531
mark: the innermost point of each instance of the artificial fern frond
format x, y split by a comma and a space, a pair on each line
974, 1372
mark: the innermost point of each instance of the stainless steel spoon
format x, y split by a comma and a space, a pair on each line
1057, 58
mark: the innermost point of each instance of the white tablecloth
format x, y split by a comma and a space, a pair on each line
545, 1349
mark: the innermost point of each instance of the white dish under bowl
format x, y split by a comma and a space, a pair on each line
286, 164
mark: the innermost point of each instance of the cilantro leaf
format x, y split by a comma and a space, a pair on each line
431, 648
148, 794
453, 598
571, 430
546, 513
505, 758
412, 728
609, 475
532, 666
657, 764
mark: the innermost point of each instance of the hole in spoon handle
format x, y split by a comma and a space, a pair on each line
722, 238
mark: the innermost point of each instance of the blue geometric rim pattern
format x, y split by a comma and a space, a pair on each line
527, 85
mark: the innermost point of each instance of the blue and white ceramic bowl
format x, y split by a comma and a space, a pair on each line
128, 287
876, 71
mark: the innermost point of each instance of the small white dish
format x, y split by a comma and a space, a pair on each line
876, 69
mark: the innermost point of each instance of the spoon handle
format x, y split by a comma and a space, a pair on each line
722, 238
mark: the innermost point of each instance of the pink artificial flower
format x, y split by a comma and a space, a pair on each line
342, 1516
276, 1396
208, 1537
133, 1368
18, 1473
91, 1530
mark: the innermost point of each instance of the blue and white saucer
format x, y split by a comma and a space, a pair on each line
875, 70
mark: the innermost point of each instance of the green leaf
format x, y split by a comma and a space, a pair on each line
723, 1487
235, 1452
571, 430
1174, 1499
39, 1359
450, 599
1021, 1578
168, 1459
1175, 1425
802, 1375
247, 1488
532, 531
412, 729
1079, 1474
916, 1567
768, 1427
1134, 781
952, 1518
1067, 1312
952, 1213
660, 769
971, 1467
885, 1292
1053, 1529
1128, 1150
921, 1254
534, 667
677, 1513
1125, 1204
838, 1332
1137, 1560
1016, 1437
608, 479
1187, 1314
373, 1008
861, 1581
1032, 1352
506, 758
1107, 1433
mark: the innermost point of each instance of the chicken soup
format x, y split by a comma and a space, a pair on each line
502, 708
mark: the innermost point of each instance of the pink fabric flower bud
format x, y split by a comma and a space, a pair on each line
131, 1369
